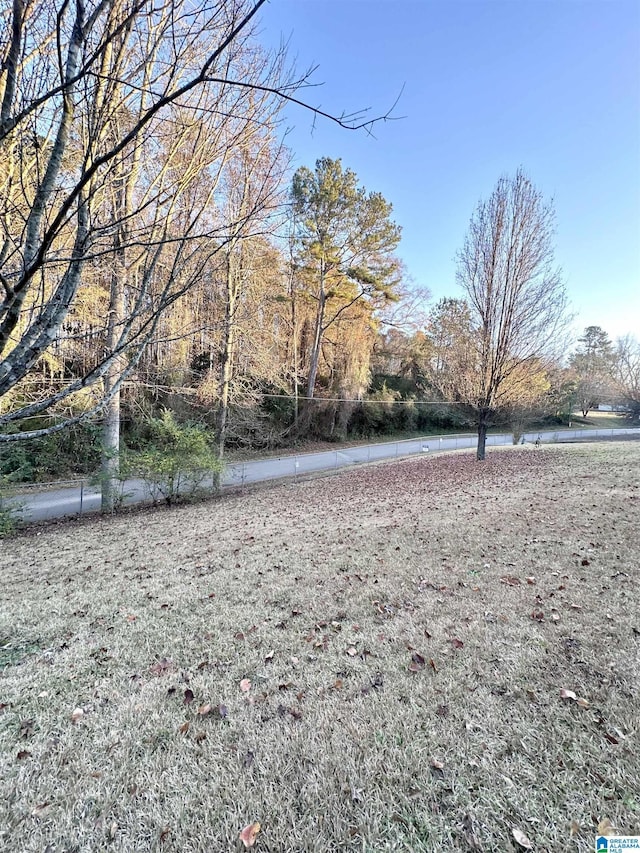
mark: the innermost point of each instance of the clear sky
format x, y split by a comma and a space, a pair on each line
489, 85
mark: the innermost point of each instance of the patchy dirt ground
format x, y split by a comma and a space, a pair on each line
370, 661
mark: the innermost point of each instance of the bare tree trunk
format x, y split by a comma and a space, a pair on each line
317, 338
110, 460
228, 344
483, 423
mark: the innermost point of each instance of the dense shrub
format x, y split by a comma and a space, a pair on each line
177, 459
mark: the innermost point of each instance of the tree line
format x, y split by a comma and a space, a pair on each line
157, 253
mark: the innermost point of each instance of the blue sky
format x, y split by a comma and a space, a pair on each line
489, 85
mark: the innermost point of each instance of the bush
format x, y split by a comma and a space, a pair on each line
9, 512
72, 451
177, 460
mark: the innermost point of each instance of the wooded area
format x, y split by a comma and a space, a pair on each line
157, 254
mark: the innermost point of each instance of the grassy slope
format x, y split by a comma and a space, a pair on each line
325, 595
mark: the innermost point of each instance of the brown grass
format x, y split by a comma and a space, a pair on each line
326, 595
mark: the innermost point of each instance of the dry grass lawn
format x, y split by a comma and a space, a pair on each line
402, 633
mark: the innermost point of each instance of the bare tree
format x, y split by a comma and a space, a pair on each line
95, 97
627, 374
516, 299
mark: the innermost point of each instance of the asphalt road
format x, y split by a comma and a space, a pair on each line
79, 499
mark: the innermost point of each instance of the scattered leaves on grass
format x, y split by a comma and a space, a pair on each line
521, 838
249, 834
245, 685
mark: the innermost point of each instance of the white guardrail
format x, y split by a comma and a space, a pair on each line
81, 497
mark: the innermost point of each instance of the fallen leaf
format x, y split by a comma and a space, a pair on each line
352, 651
575, 827
165, 834
184, 728
555, 617
24, 753
249, 834
40, 809
245, 685
522, 839
437, 764
205, 709
584, 703
611, 738
160, 667
416, 657
112, 830
432, 664
456, 643
223, 711
200, 736
188, 696
530, 580
567, 694
269, 656
538, 615
131, 618
605, 827
510, 580
76, 715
